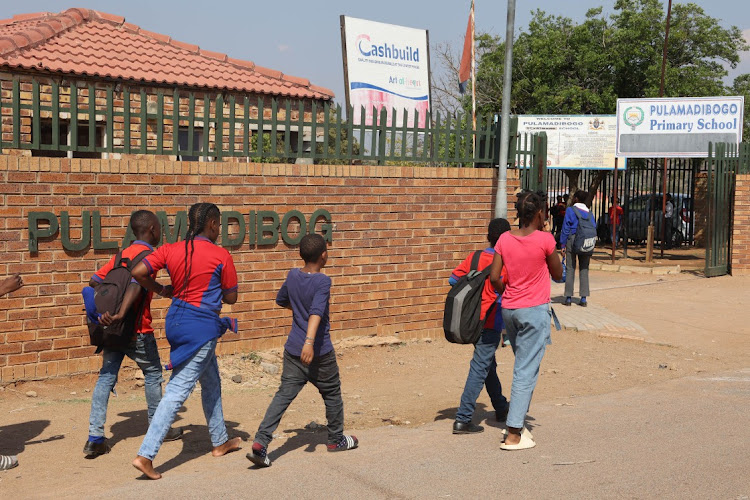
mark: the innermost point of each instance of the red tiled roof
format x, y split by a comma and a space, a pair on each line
88, 42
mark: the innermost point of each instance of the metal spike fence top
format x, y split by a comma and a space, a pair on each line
59, 117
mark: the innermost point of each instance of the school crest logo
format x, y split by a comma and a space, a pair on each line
596, 124
633, 116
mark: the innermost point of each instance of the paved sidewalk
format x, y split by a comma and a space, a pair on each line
648, 442
592, 318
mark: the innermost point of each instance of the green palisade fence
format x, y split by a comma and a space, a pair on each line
59, 117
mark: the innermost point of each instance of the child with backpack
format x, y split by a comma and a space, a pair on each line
133, 318
483, 365
578, 238
204, 277
308, 352
529, 257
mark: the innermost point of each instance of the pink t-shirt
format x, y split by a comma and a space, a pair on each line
525, 259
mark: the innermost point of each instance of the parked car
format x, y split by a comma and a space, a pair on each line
638, 216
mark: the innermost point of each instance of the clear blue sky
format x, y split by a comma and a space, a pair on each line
302, 37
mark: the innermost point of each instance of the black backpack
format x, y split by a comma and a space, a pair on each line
462, 321
585, 237
108, 297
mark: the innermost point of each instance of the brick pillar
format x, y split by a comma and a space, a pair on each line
740, 250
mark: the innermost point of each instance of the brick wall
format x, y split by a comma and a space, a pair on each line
740, 251
398, 232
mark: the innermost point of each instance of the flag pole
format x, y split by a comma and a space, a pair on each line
473, 84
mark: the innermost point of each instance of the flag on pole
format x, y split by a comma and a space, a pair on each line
467, 59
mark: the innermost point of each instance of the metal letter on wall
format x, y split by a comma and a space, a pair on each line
226, 240
178, 231
96, 222
35, 233
85, 240
293, 214
326, 229
263, 227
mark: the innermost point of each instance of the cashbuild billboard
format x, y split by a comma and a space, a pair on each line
677, 127
385, 66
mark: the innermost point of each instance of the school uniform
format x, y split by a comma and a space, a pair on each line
193, 327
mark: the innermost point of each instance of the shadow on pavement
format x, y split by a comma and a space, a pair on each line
14, 438
303, 438
480, 413
134, 425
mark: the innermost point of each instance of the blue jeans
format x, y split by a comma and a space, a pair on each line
482, 372
201, 366
146, 355
528, 330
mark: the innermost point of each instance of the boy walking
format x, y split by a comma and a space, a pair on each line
142, 349
308, 352
483, 366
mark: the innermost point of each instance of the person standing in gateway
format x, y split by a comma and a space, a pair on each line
567, 235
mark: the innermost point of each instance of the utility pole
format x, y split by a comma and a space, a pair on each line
501, 197
650, 242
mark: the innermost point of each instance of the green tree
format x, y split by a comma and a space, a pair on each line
742, 87
564, 67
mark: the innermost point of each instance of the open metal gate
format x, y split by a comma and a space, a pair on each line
530, 151
723, 164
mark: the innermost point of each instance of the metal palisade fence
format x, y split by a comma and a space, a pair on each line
54, 116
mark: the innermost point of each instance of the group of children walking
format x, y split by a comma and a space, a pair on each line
202, 279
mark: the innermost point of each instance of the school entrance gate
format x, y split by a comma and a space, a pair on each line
724, 163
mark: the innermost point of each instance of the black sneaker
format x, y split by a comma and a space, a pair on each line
259, 456
345, 443
93, 450
173, 434
466, 428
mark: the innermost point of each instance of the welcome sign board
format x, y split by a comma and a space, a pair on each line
575, 142
677, 127
385, 66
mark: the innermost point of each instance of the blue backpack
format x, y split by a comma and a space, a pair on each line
584, 239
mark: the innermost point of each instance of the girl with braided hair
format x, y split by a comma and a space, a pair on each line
529, 256
203, 277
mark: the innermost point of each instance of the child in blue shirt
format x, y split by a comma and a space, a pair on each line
308, 352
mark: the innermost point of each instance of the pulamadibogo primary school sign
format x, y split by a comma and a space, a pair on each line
263, 228
677, 127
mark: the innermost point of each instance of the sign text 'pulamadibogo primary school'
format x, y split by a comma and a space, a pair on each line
677, 127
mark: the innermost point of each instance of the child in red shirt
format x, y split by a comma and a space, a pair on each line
142, 349
483, 365
203, 276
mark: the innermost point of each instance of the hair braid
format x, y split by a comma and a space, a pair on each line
198, 215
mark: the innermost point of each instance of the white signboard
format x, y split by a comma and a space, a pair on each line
575, 142
385, 66
677, 127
